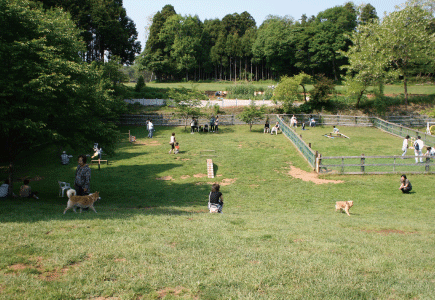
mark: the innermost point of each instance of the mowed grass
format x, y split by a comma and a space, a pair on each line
279, 236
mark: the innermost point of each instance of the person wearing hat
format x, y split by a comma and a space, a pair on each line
65, 158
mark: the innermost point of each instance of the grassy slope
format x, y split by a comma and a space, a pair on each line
279, 237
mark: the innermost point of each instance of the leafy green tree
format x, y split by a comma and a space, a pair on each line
48, 95
186, 101
252, 114
287, 92
156, 56
401, 44
140, 84
105, 27
322, 91
330, 34
367, 13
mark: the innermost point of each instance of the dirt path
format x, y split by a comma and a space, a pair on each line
310, 176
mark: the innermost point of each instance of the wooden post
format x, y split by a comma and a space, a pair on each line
362, 163
309, 145
99, 164
318, 162
427, 167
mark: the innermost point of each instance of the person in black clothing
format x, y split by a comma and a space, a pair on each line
215, 199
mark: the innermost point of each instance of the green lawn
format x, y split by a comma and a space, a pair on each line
279, 236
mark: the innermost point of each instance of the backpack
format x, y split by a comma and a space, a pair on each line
416, 146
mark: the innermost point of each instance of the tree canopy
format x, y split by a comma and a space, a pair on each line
48, 95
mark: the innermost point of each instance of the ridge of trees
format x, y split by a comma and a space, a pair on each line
185, 48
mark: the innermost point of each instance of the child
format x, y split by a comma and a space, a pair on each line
275, 129
215, 199
26, 190
266, 127
335, 130
177, 148
172, 143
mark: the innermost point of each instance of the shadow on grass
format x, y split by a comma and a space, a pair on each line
130, 189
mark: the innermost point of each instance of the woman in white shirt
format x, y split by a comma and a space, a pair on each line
172, 143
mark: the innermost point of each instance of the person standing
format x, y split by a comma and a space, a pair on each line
216, 124
172, 143
65, 158
150, 127
405, 184
418, 147
83, 177
211, 124
405, 145
192, 126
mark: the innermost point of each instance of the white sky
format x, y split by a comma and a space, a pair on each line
140, 10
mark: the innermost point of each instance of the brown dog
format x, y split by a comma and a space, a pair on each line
346, 205
81, 201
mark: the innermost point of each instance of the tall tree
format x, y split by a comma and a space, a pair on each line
106, 28
330, 36
48, 95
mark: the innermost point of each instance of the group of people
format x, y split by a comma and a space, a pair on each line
25, 190
271, 131
213, 125
418, 149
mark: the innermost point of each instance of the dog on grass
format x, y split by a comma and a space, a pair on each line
80, 201
343, 205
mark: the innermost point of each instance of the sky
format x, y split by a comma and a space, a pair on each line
140, 11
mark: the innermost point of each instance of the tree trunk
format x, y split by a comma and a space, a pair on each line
230, 69
405, 86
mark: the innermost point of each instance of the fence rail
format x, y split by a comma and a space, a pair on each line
373, 165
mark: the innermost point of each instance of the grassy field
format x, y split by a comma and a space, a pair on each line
279, 236
390, 89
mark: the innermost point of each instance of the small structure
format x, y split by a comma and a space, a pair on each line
210, 172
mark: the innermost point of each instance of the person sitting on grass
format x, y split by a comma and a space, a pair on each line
405, 184
275, 129
430, 151
215, 199
266, 127
4, 189
26, 190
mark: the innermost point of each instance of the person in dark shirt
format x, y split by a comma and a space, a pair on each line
215, 199
405, 185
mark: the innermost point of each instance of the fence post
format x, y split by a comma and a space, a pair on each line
362, 163
427, 167
309, 145
317, 162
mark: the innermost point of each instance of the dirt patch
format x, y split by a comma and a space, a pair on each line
179, 291
36, 178
200, 175
120, 259
240, 146
310, 176
148, 143
185, 177
254, 185
18, 267
228, 181
165, 178
388, 231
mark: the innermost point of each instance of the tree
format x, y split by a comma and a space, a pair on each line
48, 95
400, 44
187, 102
105, 27
321, 93
330, 34
287, 92
252, 114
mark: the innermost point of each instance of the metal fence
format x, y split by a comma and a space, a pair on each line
302, 147
356, 165
402, 131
